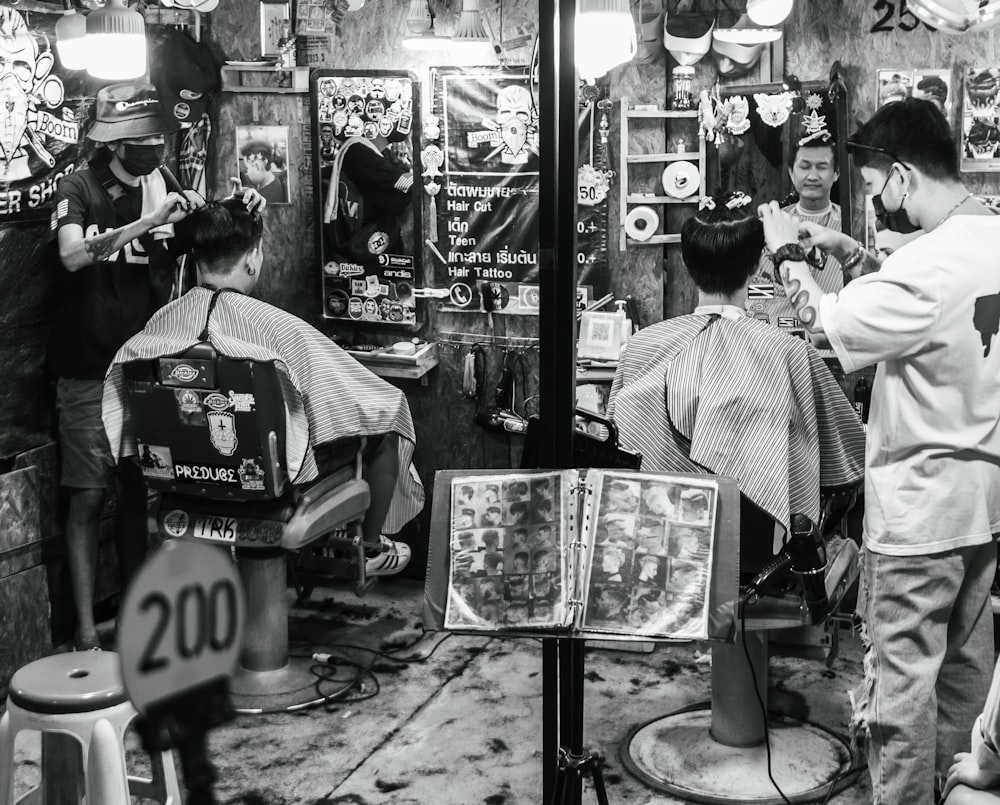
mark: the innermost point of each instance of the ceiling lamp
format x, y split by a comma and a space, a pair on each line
71, 38
768, 12
420, 24
116, 42
989, 16
949, 16
470, 24
605, 37
745, 32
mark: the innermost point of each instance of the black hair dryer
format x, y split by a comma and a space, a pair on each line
805, 556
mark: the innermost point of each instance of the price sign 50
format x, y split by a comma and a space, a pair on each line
182, 622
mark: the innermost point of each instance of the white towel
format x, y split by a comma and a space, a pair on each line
154, 193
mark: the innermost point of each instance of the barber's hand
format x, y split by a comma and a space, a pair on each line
176, 207
780, 228
251, 198
965, 771
829, 240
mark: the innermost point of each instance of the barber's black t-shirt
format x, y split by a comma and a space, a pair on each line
376, 176
99, 307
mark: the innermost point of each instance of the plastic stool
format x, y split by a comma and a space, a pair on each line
78, 694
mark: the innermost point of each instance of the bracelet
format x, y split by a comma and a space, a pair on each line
856, 257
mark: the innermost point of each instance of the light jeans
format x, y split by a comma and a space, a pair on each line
928, 633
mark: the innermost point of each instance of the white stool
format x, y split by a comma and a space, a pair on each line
78, 694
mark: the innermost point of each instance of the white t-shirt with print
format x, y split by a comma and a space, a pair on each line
930, 318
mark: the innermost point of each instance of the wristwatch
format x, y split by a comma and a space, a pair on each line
790, 251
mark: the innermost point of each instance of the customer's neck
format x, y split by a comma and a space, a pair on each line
737, 299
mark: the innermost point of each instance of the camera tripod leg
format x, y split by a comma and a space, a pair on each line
598, 777
581, 765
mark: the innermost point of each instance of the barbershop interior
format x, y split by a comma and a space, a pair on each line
499, 401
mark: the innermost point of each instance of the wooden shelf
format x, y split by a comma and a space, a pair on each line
407, 367
661, 114
638, 198
264, 78
655, 240
674, 157
626, 198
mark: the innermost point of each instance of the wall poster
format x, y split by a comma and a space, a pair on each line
365, 134
262, 161
44, 105
981, 120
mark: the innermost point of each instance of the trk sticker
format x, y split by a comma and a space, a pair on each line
222, 431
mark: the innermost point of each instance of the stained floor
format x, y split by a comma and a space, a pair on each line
463, 726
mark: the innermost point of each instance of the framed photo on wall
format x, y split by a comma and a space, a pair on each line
262, 161
275, 21
981, 119
932, 85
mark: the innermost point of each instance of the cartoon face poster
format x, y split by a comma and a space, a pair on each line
40, 133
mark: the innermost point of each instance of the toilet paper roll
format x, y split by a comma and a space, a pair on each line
681, 179
641, 223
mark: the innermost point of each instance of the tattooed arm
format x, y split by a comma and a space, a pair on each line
803, 291
853, 257
77, 251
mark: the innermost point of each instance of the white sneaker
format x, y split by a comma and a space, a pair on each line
392, 558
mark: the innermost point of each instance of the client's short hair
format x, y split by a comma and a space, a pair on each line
222, 232
721, 243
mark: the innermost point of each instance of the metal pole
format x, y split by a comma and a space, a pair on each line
557, 348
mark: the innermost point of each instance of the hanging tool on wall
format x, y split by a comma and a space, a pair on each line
501, 416
474, 372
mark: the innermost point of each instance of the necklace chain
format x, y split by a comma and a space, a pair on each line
950, 212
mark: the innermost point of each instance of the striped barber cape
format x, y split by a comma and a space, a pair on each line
329, 395
745, 400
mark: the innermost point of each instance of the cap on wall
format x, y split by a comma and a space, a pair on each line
687, 37
128, 110
184, 71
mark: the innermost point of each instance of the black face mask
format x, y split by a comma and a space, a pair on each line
141, 160
895, 221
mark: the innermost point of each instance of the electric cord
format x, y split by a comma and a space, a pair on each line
760, 700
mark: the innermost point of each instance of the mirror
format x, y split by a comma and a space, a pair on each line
366, 126
756, 128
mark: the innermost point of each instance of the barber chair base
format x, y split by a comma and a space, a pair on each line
676, 754
294, 687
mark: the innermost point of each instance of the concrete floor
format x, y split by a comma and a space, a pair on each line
464, 727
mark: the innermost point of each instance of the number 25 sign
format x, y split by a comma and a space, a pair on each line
181, 622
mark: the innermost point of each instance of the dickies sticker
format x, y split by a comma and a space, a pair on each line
216, 402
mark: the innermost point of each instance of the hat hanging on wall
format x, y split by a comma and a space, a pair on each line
202, 6
681, 179
184, 72
734, 60
650, 24
687, 37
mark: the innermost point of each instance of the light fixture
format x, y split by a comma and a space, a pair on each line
116, 42
420, 24
71, 38
949, 16
989, 16
744, 32
604, 37
768, 12
470, 24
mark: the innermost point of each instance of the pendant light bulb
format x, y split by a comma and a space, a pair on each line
116, 42
605, 37
71, 40
769, 12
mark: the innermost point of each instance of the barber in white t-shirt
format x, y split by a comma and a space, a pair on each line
932, 483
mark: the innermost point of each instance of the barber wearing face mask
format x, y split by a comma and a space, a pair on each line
114, 226
929, 316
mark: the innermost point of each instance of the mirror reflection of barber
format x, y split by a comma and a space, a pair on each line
813, 169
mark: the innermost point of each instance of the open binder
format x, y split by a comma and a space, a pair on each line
609, 554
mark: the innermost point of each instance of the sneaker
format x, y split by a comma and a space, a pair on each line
391, 558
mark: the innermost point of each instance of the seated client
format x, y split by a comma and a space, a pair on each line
342, 400
718, 391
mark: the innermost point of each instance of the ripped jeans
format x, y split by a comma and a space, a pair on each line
928, 635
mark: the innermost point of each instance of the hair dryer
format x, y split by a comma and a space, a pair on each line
805, 556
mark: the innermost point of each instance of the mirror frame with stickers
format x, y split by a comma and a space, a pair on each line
782, 188
369, 247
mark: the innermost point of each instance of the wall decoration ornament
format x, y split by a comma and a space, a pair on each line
774, 109
717, 118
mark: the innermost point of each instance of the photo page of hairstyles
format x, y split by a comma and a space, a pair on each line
635, 560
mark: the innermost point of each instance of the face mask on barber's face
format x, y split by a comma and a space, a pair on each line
896, 220
140, 160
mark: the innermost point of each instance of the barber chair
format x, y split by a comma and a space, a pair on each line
211, 436
714, 752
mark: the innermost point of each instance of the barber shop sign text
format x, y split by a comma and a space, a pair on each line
39, 131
